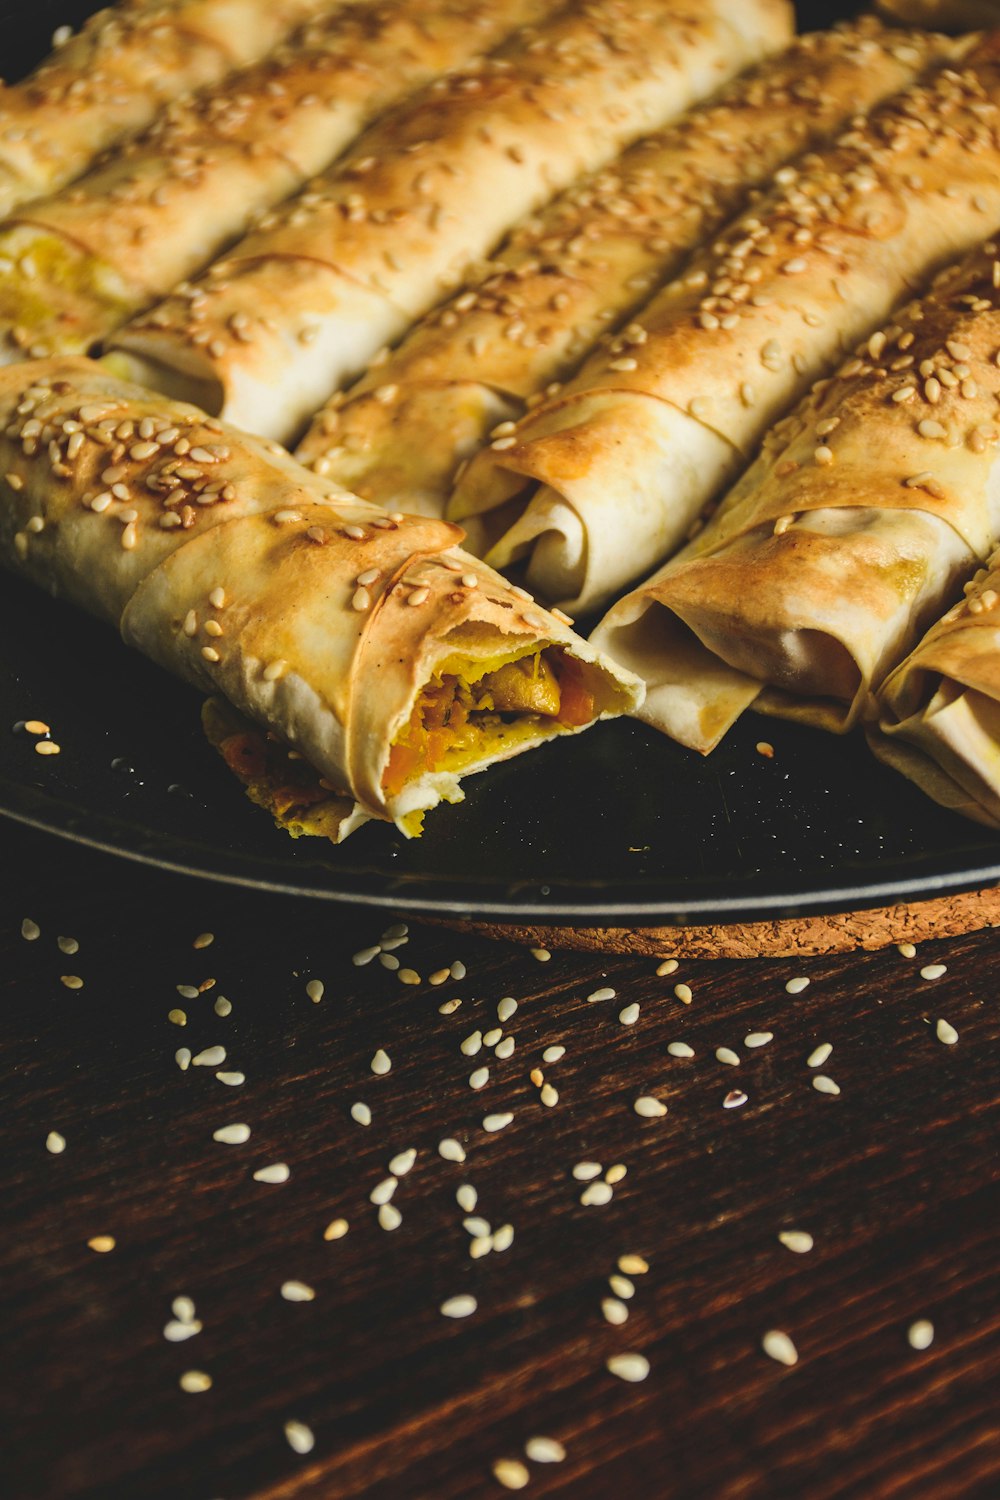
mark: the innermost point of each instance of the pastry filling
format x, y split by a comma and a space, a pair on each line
470, 711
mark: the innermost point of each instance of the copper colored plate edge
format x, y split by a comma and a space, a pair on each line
836, 932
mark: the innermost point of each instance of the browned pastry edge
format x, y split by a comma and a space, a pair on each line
835, 932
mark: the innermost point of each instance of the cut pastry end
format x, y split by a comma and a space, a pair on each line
59, 299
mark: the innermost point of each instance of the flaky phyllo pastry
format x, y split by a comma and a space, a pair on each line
359, 664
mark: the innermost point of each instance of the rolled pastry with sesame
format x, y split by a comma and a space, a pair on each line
77, 264
866, 512
360, 665
585, 263
939, 721
596, 486
110, 79
303, 304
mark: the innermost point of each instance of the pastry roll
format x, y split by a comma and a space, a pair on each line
589, 260
79, 263
388, 663
607, 479
304, 303
867, 510
940, 709
110, 80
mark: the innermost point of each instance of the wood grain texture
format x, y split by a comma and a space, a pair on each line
897, 1180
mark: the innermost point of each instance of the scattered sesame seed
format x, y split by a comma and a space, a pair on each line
402, 1162
462, 1306
796, 986
360, 1113
727, 1055
209, 1057
648, 1108
179, 1330
187, 991
544, 1450
389, 1217
615, 1312
476, 1226
493, 1123
222, 1006
933, 971
466, 1197
194, 1381
542, 954
506, 1008
615, 1174
449, 1007
758, 1038
633, 1265
491, 1037
46, 747
177, 1017
409, 976
630, 1367
683, 993
479, 1078
297, 1291
668, 966
382, 1191
819, 1055
605, 993
778, 1346
596, 1195
765, 748
908, 950
71, 981
945, 1032
364, 956
471, 1044
548, 1095
458, 970
799, 1241
680, 1049
183, 1309
204, 940
389, 961
381, 1063
68, 945
510, 1472
629, 1015
102, 1244
622, 1287
553, 1054
315, 990
824, 1085
503, 1238
278, 1172
920, 1335
299, 1437
735, 1099
336, 1229
439, 976
451, 1150
586, 1171
231, 1135
30, 930
505, 1048
55, 1143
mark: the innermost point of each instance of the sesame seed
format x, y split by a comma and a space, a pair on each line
183, 1309
765, 748
458, 970
633, 1265
380, 1063
299, 1437
479, 1078
179, 1330
462, 1306
177, 1017
630, 1367
315, 990
505, 1048
360, 1113
451, 1150
544, 1450
402, 1162
389, 1217
297, 1291
478, 1227
503, 1238
30, 930
778, 1346
799, 1241
602, 994
596, 1195
933, 971
796, 986
493, 1123
819, 1055
449, 1007
511, 1473
194, 1381
336, 1229
680, 1049
365, 956
648, 1108
758, 1038
727, 1055
684, 993
920, 1335
71, 981
278, 1172
553, 1054
542, 954
187, 991
622, 1287
409, 976
824, 1085
46, 747
209, 1057
231, 1135
585, 1171
615, 1312
102, 1244
629, 1015
55, 1143
735, 1099
232, 1080
466, 1197
945, 1032
36, 726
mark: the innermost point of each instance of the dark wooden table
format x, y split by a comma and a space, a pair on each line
895, 1178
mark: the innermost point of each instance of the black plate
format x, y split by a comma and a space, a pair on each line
618, 826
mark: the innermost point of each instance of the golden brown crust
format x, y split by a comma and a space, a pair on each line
436, 182
590, 259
